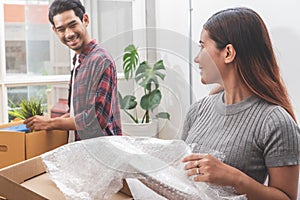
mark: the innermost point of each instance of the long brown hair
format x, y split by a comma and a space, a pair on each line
255, 60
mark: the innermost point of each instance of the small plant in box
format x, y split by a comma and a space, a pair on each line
147, 77
27, 109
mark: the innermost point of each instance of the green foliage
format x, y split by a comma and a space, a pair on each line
148, 78
130, 61
27, 109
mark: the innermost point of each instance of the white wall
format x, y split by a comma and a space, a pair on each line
281, 17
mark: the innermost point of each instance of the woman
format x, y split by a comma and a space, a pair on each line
251, 121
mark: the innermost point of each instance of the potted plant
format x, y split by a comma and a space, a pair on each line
147, 77
27, 109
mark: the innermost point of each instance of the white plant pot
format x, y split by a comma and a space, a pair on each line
141, 130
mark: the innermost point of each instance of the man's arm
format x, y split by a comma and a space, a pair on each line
47, 123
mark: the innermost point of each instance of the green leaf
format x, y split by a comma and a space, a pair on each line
129, 48
16, 113
28, 108
160, 75
163, 115
145, 75
142, 69
159, 65
151, 100
129, 102
130, 61
120, 98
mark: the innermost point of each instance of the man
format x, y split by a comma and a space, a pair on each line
93, 99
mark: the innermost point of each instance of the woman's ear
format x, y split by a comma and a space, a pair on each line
230, 53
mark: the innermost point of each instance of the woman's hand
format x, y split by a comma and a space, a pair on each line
207, 168
283, 181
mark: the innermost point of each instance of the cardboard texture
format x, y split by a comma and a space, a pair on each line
19, 146
29, 180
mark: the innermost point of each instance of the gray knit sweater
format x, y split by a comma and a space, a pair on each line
252, 134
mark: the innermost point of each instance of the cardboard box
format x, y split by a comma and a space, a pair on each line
29, 180
18, 146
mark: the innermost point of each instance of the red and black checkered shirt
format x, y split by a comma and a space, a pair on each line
95, 96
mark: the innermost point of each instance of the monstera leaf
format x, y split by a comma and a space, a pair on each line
147, 77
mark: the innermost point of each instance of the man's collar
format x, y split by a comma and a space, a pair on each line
86, 50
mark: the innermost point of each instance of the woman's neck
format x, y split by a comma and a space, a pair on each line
235, 94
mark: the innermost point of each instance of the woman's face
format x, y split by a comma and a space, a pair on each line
209, 59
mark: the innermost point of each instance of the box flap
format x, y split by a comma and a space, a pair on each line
23, 171
17, 122
36, 184
8, 190
125, 189
44, 186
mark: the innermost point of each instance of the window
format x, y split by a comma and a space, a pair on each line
116, 23
33, 62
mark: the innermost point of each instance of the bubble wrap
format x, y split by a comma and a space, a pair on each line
94, 169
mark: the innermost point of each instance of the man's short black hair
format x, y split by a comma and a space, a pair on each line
60, 6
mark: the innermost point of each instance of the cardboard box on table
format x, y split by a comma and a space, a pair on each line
29, 180
19, 146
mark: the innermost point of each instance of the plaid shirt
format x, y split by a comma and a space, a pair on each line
95, 96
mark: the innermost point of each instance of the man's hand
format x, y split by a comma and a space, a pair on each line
38, 122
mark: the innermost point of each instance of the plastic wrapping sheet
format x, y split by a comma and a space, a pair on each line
94, 168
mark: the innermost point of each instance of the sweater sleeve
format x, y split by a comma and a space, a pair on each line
189, 118
281, 139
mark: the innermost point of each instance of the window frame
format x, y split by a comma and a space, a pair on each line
29, 80
19, 80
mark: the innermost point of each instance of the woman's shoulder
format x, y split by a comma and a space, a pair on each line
277, 120
278, 114
205, 102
